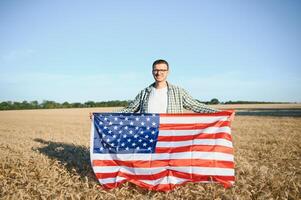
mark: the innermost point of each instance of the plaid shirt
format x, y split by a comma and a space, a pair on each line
177, 100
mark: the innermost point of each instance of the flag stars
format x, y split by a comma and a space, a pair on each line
134, 144
137, 118
121, 123
115, 127
154, 123
142, 123
129, 140
144, 144
132, 123
110, 123
124, 136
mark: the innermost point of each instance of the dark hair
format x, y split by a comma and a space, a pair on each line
160, 61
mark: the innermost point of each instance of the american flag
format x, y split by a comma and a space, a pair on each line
162, 151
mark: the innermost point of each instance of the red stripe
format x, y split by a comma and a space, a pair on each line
226, 113
193, 126
164, 163
183, 175
167, 187
202, 148
221, 135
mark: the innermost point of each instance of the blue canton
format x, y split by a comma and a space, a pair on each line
125, 132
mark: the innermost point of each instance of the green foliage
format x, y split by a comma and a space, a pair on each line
214, 101
9, 105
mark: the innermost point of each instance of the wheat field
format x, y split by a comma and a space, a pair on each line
44, 154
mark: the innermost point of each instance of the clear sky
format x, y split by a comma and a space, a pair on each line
103, 50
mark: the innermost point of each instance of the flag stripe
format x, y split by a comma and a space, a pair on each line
163, 187
180, 126
182, 175
191, 120
174, 115
204, 148
165, 156
220, 142
209, 130
142, 171
167, 180
221, 135
164, 163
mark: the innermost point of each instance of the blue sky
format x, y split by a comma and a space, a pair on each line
103, 50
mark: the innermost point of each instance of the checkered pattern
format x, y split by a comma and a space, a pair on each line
178, 100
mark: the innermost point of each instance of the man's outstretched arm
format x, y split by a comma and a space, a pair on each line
190, 103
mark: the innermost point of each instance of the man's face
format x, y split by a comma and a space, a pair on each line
160, 72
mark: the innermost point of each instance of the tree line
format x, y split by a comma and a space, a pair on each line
10, 105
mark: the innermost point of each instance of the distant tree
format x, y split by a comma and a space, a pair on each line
34, 104
77, 105
66, 105
89, 104
214, 101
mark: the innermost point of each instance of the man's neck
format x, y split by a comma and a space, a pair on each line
160, 85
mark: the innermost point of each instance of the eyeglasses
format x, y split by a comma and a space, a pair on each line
160, 70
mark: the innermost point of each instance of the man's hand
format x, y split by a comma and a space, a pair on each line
90, 115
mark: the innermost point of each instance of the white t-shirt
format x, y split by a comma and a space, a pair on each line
157, 102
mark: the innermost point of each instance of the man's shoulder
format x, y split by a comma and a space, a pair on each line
175, 87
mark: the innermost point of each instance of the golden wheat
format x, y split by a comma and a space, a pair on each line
44, 154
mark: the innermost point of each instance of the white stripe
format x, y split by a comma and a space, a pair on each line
221, 142
111, 180
165, 156
210, 130
165, 180
173, 180
155, 170
192, 119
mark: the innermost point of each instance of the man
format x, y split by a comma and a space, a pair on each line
163, 97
